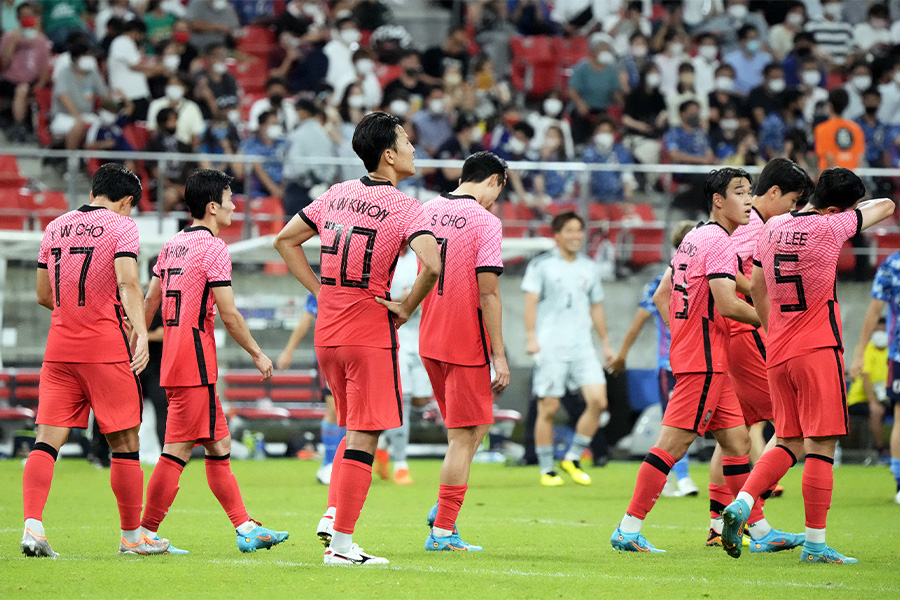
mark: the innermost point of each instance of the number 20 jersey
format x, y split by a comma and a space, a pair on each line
699, 332
362, 224
79, 250
798, 253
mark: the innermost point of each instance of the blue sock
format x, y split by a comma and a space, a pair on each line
895, 469
814, 546
332, 435
681, 468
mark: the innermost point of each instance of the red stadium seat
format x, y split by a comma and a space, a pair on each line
292, 395
555, 209
10, 177
245, 393
598, 212
290, 379
47, 205
535, 65
647, 246
261, 414
314, 414
511, 211
268, 215
256, 35
252, 76
13, 215
258, 51
43, 98
242, 378
846, 259
515, 231
886, 243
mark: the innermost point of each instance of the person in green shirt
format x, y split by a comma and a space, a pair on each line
159, 24
63, 18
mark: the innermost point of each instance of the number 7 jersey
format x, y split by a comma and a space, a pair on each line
798, 253
79, 250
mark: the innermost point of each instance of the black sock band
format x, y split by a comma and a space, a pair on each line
765, 495
359, 456
127, 455
42, 447
174, 459
215, 457
655, 461
731, 470
791, 454
821, 457
716, 507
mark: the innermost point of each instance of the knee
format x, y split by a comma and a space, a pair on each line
547, 408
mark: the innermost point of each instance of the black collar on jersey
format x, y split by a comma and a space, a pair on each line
366, 180
758, 213
450, 196
88, 208
714, 223
198, 228
797, 213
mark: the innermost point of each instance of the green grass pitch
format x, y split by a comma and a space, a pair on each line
540, 542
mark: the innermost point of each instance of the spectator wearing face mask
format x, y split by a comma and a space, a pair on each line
453, 52
781, 36
432, 124
76, 88
301, 64
120, 9
63, 18
749, 60
265, 175
615, 186
594, 86
309, 140
838, 141
409, 83
339, 51
705, 64
668, 62
833, 36
889, 113
220, 137
549, 116
552, 186
190, 123
645, 120
24, 65
277, 102
804, 46
510, 141
635, 58
216, 88
465, 142
875, 132
364, 65
212, 22
625, 24
669, 26
728, 25
766, 97
745, 152
129, 68
775, 133
874, 35
723, 135
859, 81
724, 95
174, 173
812, 80
689, 143
159, 22
170, 59
107, 133
683, 92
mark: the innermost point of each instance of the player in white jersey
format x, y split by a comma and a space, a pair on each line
563, 298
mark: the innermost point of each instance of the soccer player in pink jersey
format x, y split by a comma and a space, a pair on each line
795, 293
461, 333
362, 223
191, 278
703, 294
88, 276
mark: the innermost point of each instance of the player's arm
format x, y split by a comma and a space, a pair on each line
238, 329
663, 294
531, 303
300, 331
132, 298
492, 312
289, 243
742, 284
151, 302
875, 211
724, 292
598, 317
428, 252
760, 294
44, 293
617, 364
868, 328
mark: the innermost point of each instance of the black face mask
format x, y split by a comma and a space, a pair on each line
412, 72
276, 100
170, 130
871, 110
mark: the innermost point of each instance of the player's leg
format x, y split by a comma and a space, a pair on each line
594, 395
818, 485
332, 434
719, 497
338, 387
757, 441
895, 449
163, 485
36, 480
548, 386
398, 443
680, 468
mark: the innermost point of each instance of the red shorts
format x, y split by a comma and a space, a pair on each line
747, 368
809, 395
463, 393
365, 383
195, 415
69, 390
703, 402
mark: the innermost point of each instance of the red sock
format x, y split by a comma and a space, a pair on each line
335, 472
352, 488
818, 483
450, 499
36, 480
127, 480
736, 470
650, 481
161, 490
768, 471
225, 488
719, 497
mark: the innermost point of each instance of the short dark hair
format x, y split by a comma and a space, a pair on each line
772, 66
744, 32
804, 36
687, 104
838, 98
164, 115
787, 175
526, 129
275, 81
560, 220
717, 182
202, 187
872, 92
134, 25
838, 187
483, 165
376, 132
264, 116
307, 105
116, 181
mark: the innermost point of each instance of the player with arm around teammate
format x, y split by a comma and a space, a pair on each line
88, 276
192, 278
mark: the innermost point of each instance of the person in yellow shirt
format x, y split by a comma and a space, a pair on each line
868, 392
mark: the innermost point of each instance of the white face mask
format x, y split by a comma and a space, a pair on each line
606, 58
653, 80
219, 68
777, 85
676, 49
477, 135
171, 62
861, 82
356, 101
897, 77
515, 146
833, 9
811, 78
274, 132
350, 36
552, 107
291, 41
604, 141
29, 33
729, 124
87, 63
738, 11
364, 66
174, 92
724, 84
880, 339
709, 52
107, 118
639, 51
234, 116
295, 9
794, 19
220, 4
399, 108
436, 106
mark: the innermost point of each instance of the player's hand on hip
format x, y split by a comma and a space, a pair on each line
501, 374
264, 364
398, 311
140, 354
284, 361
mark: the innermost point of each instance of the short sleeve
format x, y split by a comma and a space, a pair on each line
721, 260
127, 246
533, 279
670, 139
844, 225
647, 302
44, 252
217, 265
155, 269
312, 305
489, 258
416, 223
883, 286
595, 292
312, 214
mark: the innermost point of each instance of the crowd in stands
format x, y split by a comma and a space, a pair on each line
732, 82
